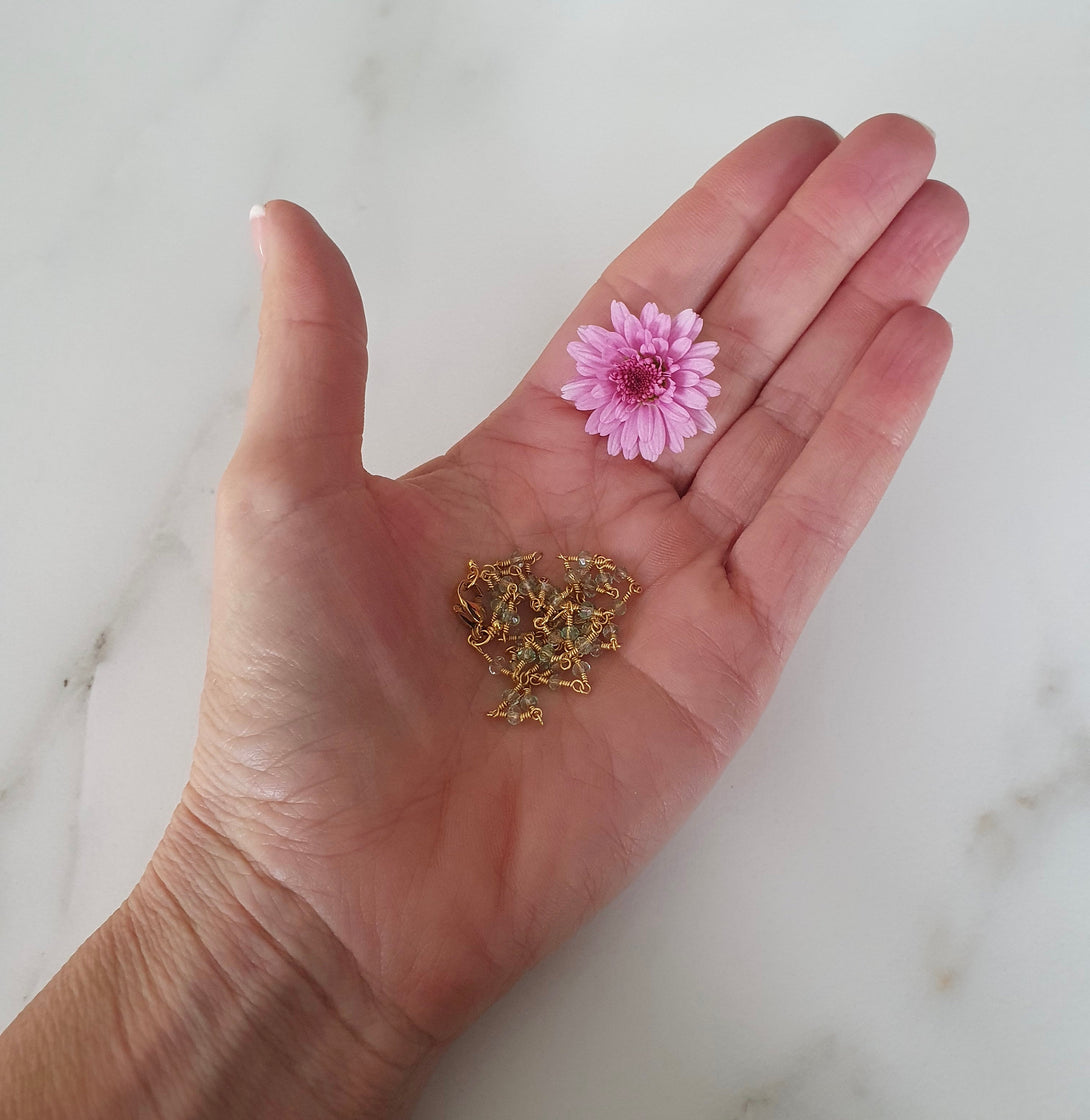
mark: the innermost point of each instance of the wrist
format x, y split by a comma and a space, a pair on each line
210, 992
249, 997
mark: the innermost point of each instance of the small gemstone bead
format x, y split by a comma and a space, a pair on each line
569, 632
581, 667
583, 559
508, 695
619, 608
585, 612
621, 573
512, 717
529, 701
554, 683
609, 633
524, 653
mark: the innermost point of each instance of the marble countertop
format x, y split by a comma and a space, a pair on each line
883, 909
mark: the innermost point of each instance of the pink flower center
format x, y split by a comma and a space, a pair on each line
639, 380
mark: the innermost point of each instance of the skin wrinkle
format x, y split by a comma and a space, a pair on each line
644, 295
122, 1027
799, 418
701, 729
256, 866
510, 844
724, 511
746, 223
234, 509
345, 329
807, 212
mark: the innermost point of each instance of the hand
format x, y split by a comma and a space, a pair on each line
343, 754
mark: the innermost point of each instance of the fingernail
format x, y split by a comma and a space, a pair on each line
257, 228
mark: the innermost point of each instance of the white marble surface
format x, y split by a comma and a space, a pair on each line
883, 910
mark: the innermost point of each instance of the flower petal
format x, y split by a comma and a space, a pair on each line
601, 339
691, 397
648, 314
681, 325
589, 355
644, 422
704, 350
618, 313
704, 421
658, 434
703, 366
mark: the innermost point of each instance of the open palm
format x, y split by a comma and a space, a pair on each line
343, 747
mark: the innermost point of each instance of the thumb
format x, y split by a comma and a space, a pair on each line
305, 406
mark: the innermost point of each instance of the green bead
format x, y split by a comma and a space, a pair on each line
569, 632
585, 612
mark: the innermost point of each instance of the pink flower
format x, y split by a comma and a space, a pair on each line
645, 383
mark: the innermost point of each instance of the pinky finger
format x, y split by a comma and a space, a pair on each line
784, 559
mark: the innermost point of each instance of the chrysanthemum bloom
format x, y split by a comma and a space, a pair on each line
645, 383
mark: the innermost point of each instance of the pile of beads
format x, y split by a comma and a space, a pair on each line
563, 625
